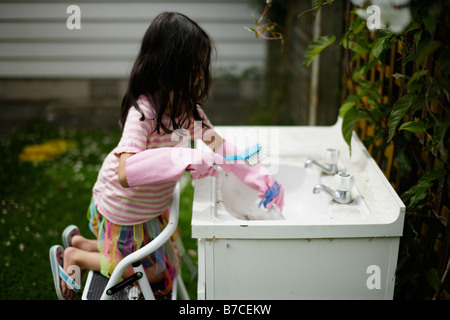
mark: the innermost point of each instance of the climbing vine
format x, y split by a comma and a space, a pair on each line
266, 28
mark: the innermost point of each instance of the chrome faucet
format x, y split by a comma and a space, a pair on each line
344, 183
330, 158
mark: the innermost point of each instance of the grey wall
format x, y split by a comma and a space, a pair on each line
35, 41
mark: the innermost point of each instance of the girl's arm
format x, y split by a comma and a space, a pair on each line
213, 140
122, 174
161, 165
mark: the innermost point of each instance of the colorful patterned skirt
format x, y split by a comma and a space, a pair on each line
117, 241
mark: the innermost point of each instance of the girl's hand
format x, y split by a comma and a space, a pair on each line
256, 177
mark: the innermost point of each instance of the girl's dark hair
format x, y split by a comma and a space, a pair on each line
174, 59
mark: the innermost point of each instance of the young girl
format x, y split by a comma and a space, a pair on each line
129, 208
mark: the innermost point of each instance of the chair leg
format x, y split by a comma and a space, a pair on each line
174, 288
184, 295
144, 283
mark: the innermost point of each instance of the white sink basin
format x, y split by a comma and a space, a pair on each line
224, 207
326, 248
235, 200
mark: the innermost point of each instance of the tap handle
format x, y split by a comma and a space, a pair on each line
330, 156
344, 181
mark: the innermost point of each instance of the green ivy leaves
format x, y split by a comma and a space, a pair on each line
398, 112
418, 193
380, 46
316, 47
348, 124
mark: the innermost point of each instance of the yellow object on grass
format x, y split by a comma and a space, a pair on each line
46, 151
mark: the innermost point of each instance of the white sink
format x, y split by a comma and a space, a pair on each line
327, 250
236, 200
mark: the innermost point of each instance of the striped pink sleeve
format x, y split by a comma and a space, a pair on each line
135, 132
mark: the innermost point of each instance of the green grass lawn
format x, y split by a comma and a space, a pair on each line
40, 198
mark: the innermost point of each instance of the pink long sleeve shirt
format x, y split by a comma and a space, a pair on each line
134, 205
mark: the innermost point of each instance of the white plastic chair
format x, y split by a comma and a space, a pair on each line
136, 257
